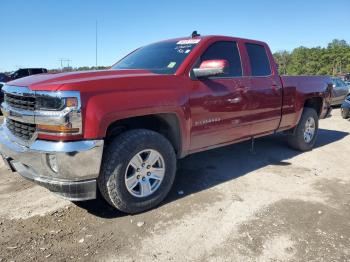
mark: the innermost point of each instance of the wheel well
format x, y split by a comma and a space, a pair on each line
315, 103
165, 124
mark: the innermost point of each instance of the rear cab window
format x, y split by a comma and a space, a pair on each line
224, 50
258, 59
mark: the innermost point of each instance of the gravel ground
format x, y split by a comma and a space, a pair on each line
228, 204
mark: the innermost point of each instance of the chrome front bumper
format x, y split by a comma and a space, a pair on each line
78, 164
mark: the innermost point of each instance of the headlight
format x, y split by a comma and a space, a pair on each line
49, 103
58, 113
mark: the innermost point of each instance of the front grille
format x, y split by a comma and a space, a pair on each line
20, 102
21, 130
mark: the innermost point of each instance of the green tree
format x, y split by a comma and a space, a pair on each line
333, 60
283, 61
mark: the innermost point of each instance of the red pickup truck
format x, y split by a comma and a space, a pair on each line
120, 131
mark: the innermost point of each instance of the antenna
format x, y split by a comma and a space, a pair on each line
195, 34
96, 44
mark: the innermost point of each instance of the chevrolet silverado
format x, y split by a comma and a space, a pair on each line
120, 131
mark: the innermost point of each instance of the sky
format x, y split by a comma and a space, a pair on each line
36, 33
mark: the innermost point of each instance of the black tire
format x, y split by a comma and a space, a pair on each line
345, 113
117, 156
296, 140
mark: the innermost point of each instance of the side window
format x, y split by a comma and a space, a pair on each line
337, 83
36, 71
24, 73
227, 51
259, 61
21, 73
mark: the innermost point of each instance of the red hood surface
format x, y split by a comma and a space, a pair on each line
53, 82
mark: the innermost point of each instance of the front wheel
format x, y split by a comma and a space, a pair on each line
304, 136
138, 170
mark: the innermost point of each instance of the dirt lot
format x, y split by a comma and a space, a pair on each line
228, 204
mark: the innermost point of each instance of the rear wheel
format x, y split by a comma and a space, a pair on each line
305, 134
138, 170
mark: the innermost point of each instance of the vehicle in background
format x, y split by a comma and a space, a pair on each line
20, 73
4, 78
23, 72
120, 131
347, 78
340, 91
1, 93
345, 108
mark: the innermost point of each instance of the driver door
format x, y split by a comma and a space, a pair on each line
218, 104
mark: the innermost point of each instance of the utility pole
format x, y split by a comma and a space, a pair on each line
96, 44
65, 60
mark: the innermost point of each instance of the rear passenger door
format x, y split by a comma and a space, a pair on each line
265, 91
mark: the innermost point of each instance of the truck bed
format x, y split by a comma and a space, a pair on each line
296, 90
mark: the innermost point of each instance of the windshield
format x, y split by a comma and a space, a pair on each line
160, 58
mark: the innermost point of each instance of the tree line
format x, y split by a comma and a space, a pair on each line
82, 68
331, 60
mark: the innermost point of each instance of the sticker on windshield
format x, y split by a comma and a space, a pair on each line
188, 42
183, 47
172, 65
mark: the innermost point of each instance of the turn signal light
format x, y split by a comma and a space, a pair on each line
71, 102
57, 129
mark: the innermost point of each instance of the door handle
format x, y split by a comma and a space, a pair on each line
235, 100
275, 88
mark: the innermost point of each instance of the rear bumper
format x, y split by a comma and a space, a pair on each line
69, 169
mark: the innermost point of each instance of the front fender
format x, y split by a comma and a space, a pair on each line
102, 110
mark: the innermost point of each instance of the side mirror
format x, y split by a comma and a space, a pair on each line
211, 68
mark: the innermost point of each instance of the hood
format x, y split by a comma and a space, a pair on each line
55, 81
